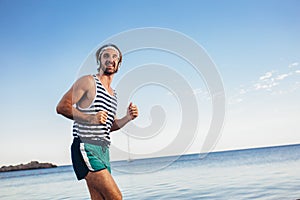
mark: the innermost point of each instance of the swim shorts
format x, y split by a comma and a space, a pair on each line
88, 157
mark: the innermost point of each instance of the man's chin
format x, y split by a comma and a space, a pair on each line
110, 72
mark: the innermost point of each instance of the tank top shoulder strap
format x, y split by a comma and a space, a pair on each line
96, 79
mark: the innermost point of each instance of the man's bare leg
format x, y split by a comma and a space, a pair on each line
95, 195
102, 186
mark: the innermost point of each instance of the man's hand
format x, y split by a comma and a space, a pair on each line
99, 118
132, 111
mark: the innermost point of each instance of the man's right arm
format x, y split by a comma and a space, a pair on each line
74, 95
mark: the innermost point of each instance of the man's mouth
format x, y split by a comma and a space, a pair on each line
109, 64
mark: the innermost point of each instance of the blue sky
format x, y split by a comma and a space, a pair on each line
255, 45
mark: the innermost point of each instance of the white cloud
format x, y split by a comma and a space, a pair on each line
266, 76
282, 76
269, 82
243, 91
295, 64
259, 86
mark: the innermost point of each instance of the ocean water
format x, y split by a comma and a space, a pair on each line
262, 173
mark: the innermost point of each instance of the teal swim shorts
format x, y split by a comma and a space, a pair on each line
89, 157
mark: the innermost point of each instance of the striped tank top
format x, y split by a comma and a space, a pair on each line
97, 134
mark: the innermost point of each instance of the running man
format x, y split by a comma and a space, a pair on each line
92, 104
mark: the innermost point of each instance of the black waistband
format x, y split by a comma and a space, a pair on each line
100, 142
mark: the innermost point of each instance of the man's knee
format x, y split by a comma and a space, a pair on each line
119, 197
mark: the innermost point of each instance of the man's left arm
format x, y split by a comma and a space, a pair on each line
132, 113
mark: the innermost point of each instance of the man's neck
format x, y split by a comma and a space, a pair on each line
106, 79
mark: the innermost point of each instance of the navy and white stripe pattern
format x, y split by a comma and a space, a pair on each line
97, 134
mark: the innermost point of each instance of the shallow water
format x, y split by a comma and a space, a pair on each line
265, 173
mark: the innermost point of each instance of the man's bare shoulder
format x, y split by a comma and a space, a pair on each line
85, 82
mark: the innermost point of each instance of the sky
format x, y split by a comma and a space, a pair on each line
254, 44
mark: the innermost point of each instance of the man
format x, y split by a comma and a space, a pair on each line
92, 104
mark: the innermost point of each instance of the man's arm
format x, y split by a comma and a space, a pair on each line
132, 113
73, 96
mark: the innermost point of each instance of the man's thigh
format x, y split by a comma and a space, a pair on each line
104, 184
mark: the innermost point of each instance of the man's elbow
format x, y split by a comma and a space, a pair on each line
61, 109
114, 127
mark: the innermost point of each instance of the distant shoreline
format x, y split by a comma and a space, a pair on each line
28, 166
50, 165
213, 152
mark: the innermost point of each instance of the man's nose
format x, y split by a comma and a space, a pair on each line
110, 59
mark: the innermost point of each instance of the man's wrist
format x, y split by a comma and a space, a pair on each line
89, 118
128, 118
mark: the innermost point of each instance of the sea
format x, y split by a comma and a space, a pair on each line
260, 173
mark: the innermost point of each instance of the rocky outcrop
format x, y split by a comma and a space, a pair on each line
31, 165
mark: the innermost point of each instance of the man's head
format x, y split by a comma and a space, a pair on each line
109, 58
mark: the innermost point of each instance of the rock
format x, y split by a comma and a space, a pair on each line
31, 165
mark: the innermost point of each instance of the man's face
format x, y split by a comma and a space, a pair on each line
109, 61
